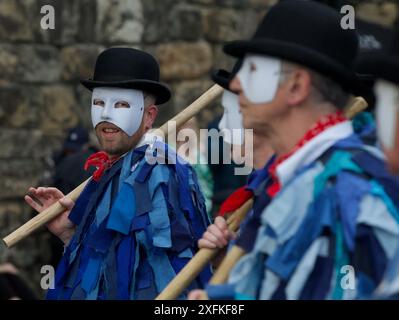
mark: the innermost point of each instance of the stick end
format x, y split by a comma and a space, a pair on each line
6, 243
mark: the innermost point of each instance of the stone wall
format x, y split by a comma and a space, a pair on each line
40, 95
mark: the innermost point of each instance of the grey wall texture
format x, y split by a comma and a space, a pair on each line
40, 95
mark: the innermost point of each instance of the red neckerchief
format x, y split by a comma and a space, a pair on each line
101, 161
320, 126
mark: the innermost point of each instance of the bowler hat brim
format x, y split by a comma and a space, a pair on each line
298, 54
159, 90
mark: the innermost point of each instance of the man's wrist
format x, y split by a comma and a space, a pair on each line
66, 236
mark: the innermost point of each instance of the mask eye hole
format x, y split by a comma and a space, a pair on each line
98, 102
122, 104
252, 67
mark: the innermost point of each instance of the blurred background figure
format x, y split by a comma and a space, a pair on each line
70, 160
12, 287
196, 156
225, 181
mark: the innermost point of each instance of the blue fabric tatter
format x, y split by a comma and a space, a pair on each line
340, 160
123, 210
220, 292
79, 208
160, 221
91, 274
348, 203
377, 169
198, 198
259, 176
105, 205
125, 262
370, 257
341, 259
158, 260
319, 216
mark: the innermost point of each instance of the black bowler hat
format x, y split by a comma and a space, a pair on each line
128, 68
223, 77
383, 64
307, 33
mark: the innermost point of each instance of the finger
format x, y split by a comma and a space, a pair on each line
67, 203
32, 190
195, 295
212, 238
220, 235
40, 192
33, 204
204, 243
54, 192
220, 223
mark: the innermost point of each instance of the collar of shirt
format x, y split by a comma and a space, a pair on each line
312, 149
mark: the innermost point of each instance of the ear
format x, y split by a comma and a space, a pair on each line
298, 87
150, 114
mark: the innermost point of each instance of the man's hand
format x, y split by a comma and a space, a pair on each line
60, 226
197, 294
217, 235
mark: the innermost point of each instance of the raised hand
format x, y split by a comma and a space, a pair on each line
42, 198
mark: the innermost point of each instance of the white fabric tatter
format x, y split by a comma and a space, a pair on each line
231, 123
387, 108
312, 150
127, 119
259, 77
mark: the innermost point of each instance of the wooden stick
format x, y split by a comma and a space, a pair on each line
358, 105
189, 112
54, 210
190, 271
222, 273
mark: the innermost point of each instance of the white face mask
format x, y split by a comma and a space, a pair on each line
387, 108
231, 122
259, 77
127, 119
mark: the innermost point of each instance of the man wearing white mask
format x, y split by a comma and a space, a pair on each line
332, 224
217, 234
136, 223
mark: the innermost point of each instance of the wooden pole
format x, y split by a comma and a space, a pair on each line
54, 210
190, 271
358, 105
